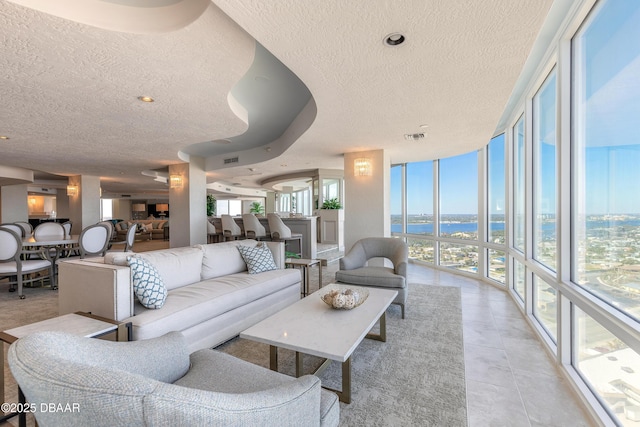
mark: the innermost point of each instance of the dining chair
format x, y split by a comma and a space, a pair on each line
213, 235
67, 228
131, 238
48, 231
14, 227
281, 233
94, 240
230, 229
252, 227
26, 226
15, 268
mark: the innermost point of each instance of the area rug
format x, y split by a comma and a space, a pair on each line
416, 378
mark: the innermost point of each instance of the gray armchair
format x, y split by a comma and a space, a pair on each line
157, 383
355, 271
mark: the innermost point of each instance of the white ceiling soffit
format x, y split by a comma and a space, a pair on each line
273, 98
130, 16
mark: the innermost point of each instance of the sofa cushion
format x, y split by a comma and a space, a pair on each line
221, 259
194, 304
371, 276
257, 258
178, 266
147, 283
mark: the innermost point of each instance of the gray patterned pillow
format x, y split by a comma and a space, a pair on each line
147, 283
257, 258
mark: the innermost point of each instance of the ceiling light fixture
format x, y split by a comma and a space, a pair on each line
4, 137
146, 99
394, 39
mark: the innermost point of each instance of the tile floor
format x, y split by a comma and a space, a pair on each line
511, 380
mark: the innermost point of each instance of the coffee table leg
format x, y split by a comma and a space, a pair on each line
345, 395
382, 336
299, 372
273, 359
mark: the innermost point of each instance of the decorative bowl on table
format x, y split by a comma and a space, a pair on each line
344, 298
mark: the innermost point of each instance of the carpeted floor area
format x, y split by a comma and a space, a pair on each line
416, 378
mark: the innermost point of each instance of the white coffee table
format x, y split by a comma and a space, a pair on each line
310, 326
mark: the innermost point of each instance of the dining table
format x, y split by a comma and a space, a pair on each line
53, 247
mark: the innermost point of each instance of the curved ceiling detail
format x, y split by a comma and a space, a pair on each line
14, 176
130, 16
273, 101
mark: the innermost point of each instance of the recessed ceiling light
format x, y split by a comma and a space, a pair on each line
4, 137
394, 39
424, 126
145, 98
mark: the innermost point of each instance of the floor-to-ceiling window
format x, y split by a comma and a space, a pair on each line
606, 202
544, 173
419, 208
519, 189
458, 211
496, 208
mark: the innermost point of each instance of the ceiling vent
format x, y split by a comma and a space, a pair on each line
413, 136
231, 160
125, 195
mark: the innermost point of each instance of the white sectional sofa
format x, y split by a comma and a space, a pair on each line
211, 296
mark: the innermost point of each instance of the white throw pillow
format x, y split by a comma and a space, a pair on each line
148, 285
257, 258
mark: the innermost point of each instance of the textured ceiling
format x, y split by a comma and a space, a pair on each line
69, 90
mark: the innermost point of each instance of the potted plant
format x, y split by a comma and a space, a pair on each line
332, 222
256, 208
211, 205
331, 204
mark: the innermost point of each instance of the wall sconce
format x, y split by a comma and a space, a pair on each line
175, 181
72, 190
362, 167
32, 200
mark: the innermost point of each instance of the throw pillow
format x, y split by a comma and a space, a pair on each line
148, 285
123, 226
257, 258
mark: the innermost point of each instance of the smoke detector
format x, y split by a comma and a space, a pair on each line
414, 136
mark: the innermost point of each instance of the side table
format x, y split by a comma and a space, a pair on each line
305, 265
83, 324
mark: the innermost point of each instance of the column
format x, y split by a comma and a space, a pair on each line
188, 203
367, 195
13, 203
84, 207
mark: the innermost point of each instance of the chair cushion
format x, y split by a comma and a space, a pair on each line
147, 283
258, 258
371, 276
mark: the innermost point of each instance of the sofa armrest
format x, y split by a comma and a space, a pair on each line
102, 289
277, 250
